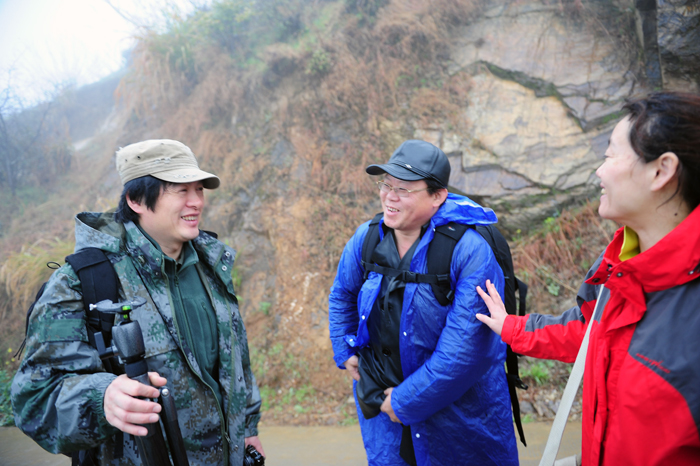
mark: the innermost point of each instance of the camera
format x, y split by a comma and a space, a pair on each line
253, 457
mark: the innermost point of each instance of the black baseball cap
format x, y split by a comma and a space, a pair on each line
416, 160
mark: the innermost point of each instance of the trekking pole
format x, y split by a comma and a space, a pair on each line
128, 344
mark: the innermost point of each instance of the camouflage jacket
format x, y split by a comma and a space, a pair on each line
58, 392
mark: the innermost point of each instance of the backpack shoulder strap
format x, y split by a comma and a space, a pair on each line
522, 293
97, 276
440, 253
371, 242
99, 282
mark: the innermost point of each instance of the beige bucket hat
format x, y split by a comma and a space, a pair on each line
165, 159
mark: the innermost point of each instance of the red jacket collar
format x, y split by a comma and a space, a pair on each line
673, 261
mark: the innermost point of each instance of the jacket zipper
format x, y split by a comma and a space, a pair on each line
224, 434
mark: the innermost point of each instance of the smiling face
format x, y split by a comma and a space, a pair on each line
408, 214
175, 217
625, 180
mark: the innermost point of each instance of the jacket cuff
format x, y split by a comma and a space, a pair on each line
406, 415
341, 352
251, 425
97, 399
508, 329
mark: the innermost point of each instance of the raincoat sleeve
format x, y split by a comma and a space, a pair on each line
553, 337
466, 348
58, 391
343, 317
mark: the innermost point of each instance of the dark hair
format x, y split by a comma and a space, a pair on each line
433, 185
669, 122
145, 189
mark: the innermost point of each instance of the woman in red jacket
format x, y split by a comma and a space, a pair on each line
641, 389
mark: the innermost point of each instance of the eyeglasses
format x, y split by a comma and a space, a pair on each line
401, 192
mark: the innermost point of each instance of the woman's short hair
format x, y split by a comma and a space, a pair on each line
144, 190
669, 122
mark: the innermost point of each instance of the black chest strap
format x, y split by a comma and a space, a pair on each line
439, 259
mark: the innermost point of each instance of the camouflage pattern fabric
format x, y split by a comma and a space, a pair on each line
58, 392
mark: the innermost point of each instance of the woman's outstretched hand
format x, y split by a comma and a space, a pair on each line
496, 308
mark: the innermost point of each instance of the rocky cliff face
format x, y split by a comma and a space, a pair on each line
678, 36
545, 94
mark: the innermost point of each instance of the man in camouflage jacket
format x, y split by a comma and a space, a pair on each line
62, 396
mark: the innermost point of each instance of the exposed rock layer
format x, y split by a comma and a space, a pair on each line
546, 92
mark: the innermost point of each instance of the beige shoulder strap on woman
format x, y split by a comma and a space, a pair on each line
555, 434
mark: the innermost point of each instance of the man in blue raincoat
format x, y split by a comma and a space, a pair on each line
430, 383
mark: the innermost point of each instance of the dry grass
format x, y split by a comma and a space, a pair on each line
554, 261
21, 276
447, 103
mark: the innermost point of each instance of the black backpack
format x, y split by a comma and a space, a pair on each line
439, 260
99, 281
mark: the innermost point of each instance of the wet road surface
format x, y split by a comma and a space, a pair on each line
292, 446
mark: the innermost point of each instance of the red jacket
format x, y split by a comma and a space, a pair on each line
641, 386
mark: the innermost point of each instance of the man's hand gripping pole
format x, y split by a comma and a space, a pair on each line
128, 345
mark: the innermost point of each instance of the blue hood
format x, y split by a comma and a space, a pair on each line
461, 209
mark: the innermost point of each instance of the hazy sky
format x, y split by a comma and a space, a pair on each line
50, 42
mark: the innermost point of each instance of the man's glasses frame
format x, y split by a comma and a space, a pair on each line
401, 192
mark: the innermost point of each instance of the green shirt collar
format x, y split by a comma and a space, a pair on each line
188, 255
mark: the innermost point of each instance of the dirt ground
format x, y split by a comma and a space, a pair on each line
319, 407
291, 446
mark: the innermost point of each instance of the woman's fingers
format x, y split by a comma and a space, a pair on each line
495, 305
493, 292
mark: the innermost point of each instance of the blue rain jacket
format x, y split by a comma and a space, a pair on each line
454, 394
